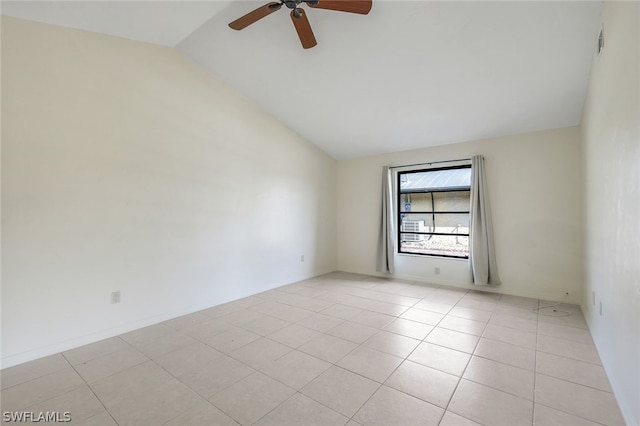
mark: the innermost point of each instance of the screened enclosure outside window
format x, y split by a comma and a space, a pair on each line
433, 212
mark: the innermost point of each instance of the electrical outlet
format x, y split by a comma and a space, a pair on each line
115, 297
437, 270
302, 258
593, 298
600, 308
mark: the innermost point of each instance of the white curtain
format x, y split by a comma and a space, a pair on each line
482, 256
386, 236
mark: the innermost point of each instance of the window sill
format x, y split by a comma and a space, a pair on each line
422, 256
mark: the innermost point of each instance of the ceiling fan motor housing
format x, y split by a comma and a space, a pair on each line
299, 17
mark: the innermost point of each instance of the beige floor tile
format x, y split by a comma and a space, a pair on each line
483, 296
334, 295
282, 311
320, 322
385, 308
130, 384
147, 334
573, 334
452, 419
428, 384
546, 416
518, 302
506, 353
470, 313
107, 365
288, 338
517, 311
210, 328
95, 350
260, 353
372, 319
463, 325
441, 358
81, 404
396, 299
391, 407
420, 315
370, 363
227, 308
202, 414
582, 373
307, 303
489, 406
434, 306
341, 390
417, 290
164, 344
251, 398
205, 370
511, 321
241, 316
391, 343
187, 357
159, 339
413, 329
102, 419
328, 348
453, 339
352, 332
291, 313
301, 410
32, 370
341, 311
450, 294
294, 335
591, 404
40, 389
264, 325
510, 335
580, 351
488, 305
188, 322
500, 376
574, 320
230, 340
156, 405
296, 369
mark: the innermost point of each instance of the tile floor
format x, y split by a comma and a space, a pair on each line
341, 349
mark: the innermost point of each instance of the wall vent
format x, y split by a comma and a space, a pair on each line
600, 41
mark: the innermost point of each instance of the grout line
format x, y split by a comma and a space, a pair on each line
91, 389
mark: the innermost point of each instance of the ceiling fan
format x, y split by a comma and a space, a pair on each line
299, 17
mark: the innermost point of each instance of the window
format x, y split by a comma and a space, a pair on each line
433, 211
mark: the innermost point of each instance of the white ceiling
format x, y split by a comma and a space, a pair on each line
410, 74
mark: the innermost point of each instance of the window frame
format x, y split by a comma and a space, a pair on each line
399, 211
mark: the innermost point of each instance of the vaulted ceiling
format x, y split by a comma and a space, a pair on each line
409, 74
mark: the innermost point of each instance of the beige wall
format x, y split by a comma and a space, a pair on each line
534, 188
127, 167
611, 145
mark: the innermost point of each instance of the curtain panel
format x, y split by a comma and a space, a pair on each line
482, 257
386, 236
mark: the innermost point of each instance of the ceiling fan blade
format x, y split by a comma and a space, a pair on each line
255, 15
362, 7
303, 28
